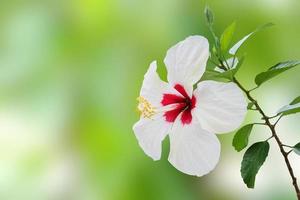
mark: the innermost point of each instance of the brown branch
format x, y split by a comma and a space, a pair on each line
274, 134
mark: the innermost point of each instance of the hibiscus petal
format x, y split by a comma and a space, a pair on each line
186, 61
154, 88
193, 150
221, 107
150, 133
152, 127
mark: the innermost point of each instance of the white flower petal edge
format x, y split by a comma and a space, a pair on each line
150, 133
153, 87
220, 107
193, 150
186, 61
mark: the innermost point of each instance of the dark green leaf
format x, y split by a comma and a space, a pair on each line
253, 159
226, 37
209, 16
240, 140
274, 71
236, 47
293, 107
296, 148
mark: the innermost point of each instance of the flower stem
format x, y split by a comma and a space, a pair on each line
274, 134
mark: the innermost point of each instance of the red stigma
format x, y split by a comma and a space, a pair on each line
183, 104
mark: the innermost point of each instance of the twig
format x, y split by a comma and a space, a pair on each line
274, 134
253, 89
287, 146
289, 152
260, 124
269, 138
278, 120
274, 116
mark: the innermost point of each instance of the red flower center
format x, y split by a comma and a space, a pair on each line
184, 105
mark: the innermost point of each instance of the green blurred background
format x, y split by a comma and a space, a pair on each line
70, 72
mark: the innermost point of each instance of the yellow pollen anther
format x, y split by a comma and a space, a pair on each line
145, 108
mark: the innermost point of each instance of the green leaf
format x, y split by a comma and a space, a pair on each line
236, 47
289, 109
274, 71
239, 64
209, 16
253, 159
296, 148
295, 101
292, 108
240, 139
214, 50
226, 37
225, 76
216, 76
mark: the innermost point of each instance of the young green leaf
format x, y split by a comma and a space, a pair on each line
209, 16
236, 47
292, 108
226, 37
250, 105
240, 140
274, 71
253, 159
296, 148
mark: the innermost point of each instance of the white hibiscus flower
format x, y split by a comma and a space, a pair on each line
190, 117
